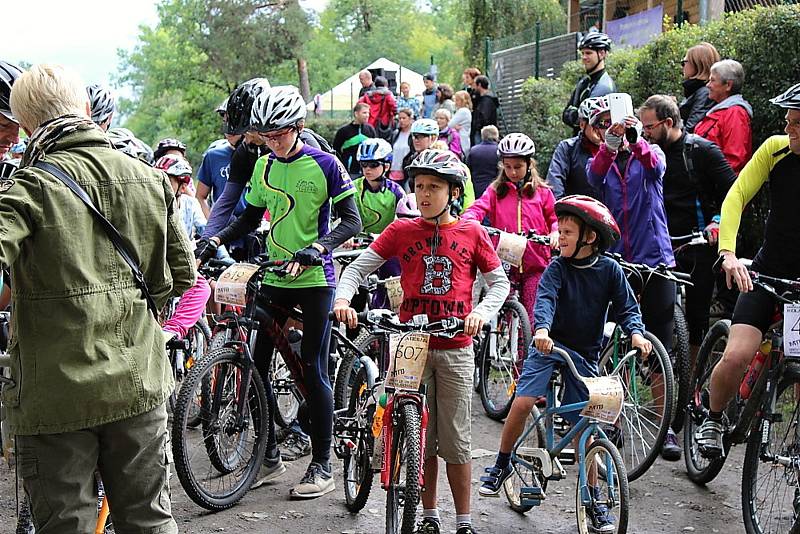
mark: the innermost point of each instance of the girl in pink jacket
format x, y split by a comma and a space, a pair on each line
519, 201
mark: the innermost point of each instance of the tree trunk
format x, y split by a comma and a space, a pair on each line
302, 76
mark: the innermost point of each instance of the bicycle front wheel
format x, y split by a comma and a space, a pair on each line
681, 366
610, 490
770, 485
504, 352
357, 464
649, 402
217, 463
402, 495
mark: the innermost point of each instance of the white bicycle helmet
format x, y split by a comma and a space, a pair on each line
592, 106
441, 163
516, 145
407, 207
790, 99
174, 166
278, 108
374, 150
101, 101
425, 126
599, 107
124, 141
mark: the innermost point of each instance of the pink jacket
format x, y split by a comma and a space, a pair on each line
513, 213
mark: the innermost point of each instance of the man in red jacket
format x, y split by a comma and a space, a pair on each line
382, 108
727, 123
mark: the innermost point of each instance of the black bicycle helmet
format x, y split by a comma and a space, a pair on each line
790, 99
240, 103
8, 75
595, 41
166, 145
101, 101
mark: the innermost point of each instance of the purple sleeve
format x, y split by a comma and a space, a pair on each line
339, 183
223, 208
597, 167
650, 156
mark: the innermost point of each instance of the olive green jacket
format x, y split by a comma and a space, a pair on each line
85, 350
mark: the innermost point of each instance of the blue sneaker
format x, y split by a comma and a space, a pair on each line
602, 520
493, 480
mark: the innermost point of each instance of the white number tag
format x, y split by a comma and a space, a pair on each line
511, 248
791, 329
395, 293
232, 285
606, 396
409, 355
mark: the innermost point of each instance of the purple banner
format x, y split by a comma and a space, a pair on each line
638, 29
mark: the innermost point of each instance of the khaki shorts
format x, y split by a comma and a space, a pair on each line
448, 376
132, 456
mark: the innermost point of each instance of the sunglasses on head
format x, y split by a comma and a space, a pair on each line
371, 164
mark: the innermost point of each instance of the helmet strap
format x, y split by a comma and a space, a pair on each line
581, 242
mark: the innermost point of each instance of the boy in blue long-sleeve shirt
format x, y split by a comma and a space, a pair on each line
571, 305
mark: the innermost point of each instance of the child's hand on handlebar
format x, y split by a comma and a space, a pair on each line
473, 324
344, 313
554, 240
542, 341
638, 341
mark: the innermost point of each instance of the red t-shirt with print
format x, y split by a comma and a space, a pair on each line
439, 286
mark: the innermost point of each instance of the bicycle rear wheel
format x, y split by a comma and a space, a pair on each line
612, 490
402, 495
349, 366
702, 470
770, 473
217, 463
501, 367
287, 396
649, 402
523, 476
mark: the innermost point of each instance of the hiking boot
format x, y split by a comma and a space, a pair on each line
671, 450
315, 483
598, 513
428, 525
270, 470
709, 439
295, 447
493, 481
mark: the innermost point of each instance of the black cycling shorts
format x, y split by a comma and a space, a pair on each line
755, 308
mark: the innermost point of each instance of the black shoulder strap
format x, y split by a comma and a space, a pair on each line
111, 231
688, 149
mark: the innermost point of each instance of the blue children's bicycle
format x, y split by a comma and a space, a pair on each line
602, 478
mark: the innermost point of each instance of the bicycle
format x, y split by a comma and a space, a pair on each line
650, 388
537, 459
503, 346
398, 418
217, 467
765, 414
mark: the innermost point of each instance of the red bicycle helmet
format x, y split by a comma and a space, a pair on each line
593, 213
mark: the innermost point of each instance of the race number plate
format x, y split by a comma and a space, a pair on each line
791, 329
232, 285
606, 396
409, 355
395, 292
511, 248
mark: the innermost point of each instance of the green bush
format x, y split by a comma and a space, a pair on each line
325, 126
764, 40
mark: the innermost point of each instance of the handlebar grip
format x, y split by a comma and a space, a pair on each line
683, 277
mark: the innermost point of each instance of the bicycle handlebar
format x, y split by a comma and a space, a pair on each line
571, 364
765, 282
531, 235
661, 269
389, 321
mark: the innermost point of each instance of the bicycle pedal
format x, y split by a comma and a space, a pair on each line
567, 457
531, 496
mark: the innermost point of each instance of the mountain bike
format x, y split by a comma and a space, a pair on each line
387, 404
537, 459
217, 462
503, 346
649, 381
765, 414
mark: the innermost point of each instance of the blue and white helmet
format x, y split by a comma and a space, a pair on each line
425, 126
374, 150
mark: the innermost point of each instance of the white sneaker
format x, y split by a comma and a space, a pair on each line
315, 483
268, 473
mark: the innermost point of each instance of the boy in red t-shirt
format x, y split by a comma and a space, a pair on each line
439, 255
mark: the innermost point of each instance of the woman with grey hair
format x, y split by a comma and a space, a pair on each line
727, 123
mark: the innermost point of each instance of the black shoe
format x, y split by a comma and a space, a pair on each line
466, 529
671, 451
428, 526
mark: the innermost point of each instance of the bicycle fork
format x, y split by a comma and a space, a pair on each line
389, 422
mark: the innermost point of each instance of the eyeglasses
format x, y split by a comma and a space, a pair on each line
370, 164
603, 125
648, 127
419, 136
275, 137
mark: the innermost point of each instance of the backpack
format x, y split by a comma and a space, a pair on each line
321, 142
